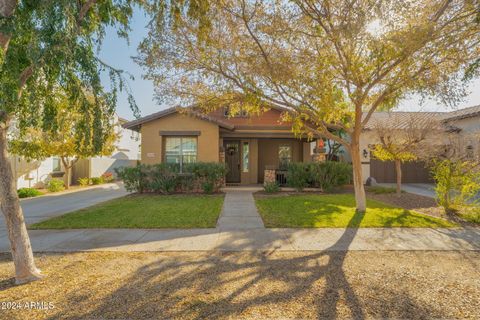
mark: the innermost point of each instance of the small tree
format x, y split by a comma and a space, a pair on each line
456, 170
72, 137
403, 144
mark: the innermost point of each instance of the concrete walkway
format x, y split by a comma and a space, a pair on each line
239, 212
240, 228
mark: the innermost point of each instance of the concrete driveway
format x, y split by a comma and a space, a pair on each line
45, 207
422, 189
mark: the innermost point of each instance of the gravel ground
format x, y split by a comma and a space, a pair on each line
415, 285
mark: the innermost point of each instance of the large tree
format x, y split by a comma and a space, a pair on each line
50, 45
330, 64
46, 45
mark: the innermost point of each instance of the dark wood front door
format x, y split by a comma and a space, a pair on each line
232, 159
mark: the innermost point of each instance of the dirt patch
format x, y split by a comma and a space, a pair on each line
409, 201
307, 285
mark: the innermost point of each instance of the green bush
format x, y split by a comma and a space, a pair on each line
97, 180
209, 174
55, 185
163, 180
298, 175
457, 183
84, 181
208, 187
134, 178
28, 192
166, 178
271, 187
330, 175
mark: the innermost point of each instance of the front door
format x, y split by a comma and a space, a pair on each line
232, 159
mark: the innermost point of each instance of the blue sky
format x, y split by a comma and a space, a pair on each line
117, 52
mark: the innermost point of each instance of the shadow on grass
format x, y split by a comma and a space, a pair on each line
164, 289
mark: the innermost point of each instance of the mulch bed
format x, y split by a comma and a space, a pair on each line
254, 285
410, 201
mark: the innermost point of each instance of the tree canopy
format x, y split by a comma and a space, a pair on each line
330, 64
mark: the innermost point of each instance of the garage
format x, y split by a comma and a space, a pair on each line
412, 172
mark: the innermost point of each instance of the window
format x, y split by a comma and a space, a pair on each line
245, 156
180, 150
57, 166
284, 155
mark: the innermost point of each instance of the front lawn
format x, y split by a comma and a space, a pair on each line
337, 211
143, 211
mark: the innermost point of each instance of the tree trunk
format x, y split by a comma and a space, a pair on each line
25, 269
360, 197
67, 166
398, 170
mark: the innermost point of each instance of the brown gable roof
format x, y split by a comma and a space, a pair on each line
401, 120
136, 124
463, 113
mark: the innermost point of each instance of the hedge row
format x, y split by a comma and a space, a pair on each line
166, 178
328, 175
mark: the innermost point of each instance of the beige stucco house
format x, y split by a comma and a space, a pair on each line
247, 144
464, 122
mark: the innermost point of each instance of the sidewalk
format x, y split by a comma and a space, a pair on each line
240, 228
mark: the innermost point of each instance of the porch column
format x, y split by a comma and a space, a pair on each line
319, 154
269, 175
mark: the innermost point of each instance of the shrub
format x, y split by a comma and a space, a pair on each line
55, 185
330, 175
97, 180
28, 192
271, 187
166, 178
298, 175
210, 175
208, 187
457, 183
134, 178
327, 175
186, 182
163, 180
84, 181
107, 177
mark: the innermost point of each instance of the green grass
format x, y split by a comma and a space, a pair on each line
338, 211
143, 211
382, 190
470, 214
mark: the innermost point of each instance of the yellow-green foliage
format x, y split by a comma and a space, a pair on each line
392, 153
458, 183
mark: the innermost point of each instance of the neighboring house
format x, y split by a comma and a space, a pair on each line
464, 122
126, 154
247, 144
36, 173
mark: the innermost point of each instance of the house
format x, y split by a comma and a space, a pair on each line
464, 122
35, 173
248, 144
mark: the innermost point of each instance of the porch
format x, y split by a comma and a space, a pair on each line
248, 159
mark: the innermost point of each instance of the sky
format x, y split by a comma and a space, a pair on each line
118, 53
